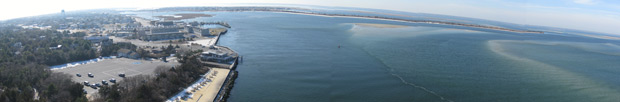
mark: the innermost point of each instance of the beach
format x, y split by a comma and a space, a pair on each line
379, 25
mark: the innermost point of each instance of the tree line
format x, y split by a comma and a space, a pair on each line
25, 55
158, 88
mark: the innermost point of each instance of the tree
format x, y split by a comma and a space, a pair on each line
51, 90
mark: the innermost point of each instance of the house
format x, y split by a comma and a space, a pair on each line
103, 40
17, 45
57, 47
127, 53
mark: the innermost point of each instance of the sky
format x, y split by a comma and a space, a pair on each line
589, 15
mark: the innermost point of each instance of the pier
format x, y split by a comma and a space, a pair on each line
218, 23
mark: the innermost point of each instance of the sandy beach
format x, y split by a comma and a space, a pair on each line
411, 21
379, 25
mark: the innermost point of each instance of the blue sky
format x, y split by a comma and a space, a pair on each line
590, 15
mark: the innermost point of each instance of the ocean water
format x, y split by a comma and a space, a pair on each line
295, 58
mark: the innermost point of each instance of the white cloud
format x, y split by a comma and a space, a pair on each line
587, 2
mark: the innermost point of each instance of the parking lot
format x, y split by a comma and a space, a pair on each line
110, 68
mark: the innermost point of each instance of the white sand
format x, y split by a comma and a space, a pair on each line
208, 92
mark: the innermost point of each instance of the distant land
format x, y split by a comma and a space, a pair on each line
307, 12
183, 16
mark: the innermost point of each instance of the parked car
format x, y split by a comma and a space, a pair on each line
122, 75
113, 80
98, 85
78, 75
104, 82
86, 83
93, 86
91, 75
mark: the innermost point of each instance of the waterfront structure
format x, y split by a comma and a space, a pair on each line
201, 31
218, 54
209, 30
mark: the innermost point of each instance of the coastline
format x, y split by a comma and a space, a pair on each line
376, 25
296, 11
413, 21
183, 16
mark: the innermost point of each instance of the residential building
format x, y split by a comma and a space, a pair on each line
127, 53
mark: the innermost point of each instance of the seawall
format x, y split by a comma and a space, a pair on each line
228, 84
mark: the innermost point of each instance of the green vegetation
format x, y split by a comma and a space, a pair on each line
42, 47
24, 54
143, 88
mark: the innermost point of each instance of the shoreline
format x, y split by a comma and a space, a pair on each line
293, 11
183, 16
377, 25
413, 21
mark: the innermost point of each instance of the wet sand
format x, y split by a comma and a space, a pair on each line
379, 25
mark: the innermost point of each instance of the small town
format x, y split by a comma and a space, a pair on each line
127, 46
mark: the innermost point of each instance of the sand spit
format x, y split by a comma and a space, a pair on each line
379, 25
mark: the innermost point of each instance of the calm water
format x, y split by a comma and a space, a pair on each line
295, 58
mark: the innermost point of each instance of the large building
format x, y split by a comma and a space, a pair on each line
125, 32
219, 54
160, 33
209, 30
201, 31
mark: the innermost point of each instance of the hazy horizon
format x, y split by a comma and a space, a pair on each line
587, 15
